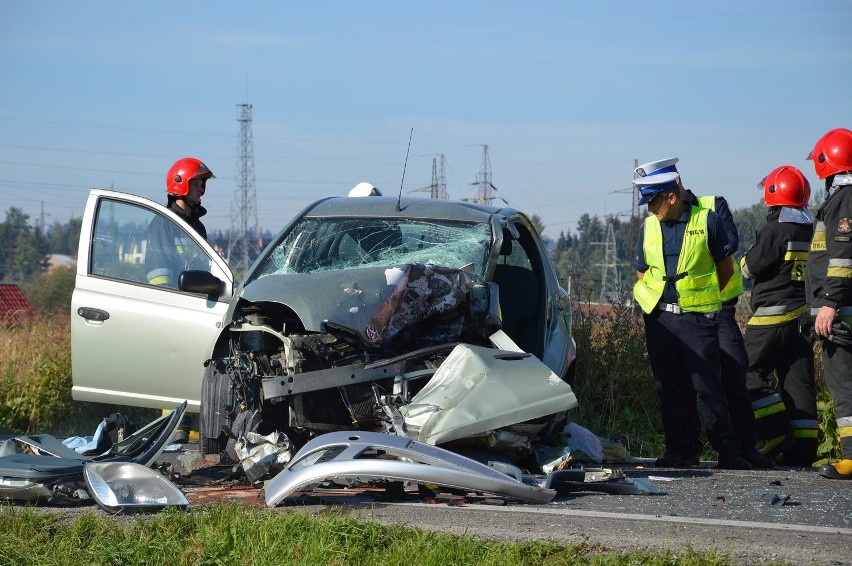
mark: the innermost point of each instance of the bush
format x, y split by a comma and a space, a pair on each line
50, 293
613, 380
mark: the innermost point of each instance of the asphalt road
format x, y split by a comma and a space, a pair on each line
703, 508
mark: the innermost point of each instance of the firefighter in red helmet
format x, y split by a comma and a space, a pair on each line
785, 414
829, 284
169, 248
186, 182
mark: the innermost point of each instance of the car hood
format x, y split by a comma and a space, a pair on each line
378, 304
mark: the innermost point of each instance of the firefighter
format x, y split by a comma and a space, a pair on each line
829, 284
683, 262
786, 413
168, 248
732, 352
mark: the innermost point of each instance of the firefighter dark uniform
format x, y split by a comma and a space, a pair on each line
169, 247
680, 297
829, 284
786, 414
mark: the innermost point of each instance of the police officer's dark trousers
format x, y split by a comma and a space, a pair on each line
684, 351
734, 362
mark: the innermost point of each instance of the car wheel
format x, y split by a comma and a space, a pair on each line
215, 401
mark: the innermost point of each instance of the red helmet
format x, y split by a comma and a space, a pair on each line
177, 179
833, 153
786, 186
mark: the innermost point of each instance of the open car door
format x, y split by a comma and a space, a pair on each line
134, 342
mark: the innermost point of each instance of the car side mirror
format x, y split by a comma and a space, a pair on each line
197, 281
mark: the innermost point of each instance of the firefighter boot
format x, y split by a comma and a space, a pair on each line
775, 446
841, 470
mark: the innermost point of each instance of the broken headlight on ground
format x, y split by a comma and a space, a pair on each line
125, 486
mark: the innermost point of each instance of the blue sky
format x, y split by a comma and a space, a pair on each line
565, 94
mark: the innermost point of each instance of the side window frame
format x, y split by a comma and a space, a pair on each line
116, 236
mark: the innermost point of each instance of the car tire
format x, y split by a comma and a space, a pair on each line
216, 395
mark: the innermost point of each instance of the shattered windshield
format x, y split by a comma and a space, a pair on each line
334, 244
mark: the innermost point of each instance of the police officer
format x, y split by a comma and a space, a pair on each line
167, 254
732, 352
683, 262
786, 415
829, 284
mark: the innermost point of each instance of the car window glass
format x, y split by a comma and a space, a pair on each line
518, 255
331, 244
137, 244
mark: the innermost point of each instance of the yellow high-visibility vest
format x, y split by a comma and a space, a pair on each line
696, 281
734, 287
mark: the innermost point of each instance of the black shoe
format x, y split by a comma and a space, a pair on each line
733, 461
757, 460
674, 460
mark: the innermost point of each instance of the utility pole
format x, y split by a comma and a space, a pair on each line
634, 210
485, 190
609, 285
439, 179
243, 245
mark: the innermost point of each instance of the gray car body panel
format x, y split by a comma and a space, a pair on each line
479, 389
347, 455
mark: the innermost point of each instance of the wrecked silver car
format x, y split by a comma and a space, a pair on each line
339, 325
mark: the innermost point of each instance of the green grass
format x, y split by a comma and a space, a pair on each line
232, 534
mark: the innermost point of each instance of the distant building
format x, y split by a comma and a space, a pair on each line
59, 260
14, 306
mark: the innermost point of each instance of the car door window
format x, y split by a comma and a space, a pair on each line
137, 244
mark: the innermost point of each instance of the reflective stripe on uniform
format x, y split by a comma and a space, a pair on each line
161, 276
768, 405
804, 428
769, 316
744, 268
818, 241
844, 427
839, 268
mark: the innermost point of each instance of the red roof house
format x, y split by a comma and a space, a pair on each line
14, 307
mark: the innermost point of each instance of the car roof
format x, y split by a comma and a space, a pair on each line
386, 207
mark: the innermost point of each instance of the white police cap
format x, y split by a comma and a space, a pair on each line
656, 167
364, 190
650, 185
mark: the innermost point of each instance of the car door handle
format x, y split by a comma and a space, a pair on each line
96, 315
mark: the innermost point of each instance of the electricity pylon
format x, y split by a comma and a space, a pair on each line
243, 245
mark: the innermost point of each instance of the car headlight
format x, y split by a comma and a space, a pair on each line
125, 486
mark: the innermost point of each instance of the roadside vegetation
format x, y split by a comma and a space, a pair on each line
229, 533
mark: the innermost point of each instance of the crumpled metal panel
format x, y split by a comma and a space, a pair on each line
478, 389
353, 456
428, 302
422, 295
